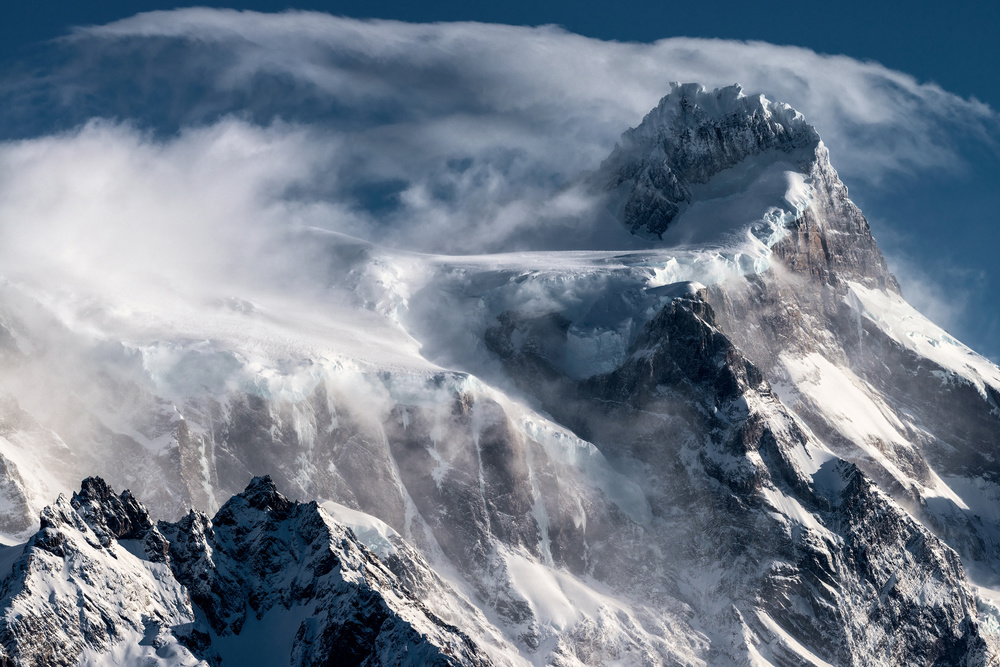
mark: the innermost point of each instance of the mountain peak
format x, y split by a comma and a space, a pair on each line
110, 516
692, 135
692, 108
262, 494
71, 600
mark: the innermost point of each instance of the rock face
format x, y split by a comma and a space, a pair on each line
747, 452
95, 581
728, 458
831, 240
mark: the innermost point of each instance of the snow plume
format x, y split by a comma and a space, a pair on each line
452, 78
450, 137
106, 206
947, 293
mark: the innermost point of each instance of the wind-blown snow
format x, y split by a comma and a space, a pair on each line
915, 332
371, 531
394, 329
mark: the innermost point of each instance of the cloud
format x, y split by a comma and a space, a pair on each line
108, 206
225, 130
569, 95
454, 137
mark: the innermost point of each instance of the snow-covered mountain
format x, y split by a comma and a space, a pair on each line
263, 582
734, 445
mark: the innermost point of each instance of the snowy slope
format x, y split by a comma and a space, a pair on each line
734, 445
910, 329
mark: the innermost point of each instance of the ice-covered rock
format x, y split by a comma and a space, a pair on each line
73, 589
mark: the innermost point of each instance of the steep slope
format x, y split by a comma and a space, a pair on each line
880, 384
810, 561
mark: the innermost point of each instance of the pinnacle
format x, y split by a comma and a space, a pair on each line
261, 493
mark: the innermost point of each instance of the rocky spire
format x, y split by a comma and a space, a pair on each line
108, 515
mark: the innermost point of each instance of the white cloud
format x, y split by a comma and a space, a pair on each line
572, 94
455, 137
108, 207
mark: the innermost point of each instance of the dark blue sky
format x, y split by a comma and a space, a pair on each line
940, 228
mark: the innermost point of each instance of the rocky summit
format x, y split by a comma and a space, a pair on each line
733, 443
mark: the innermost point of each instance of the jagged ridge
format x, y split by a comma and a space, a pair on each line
79, 588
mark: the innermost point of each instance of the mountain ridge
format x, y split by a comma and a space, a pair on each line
221, 570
